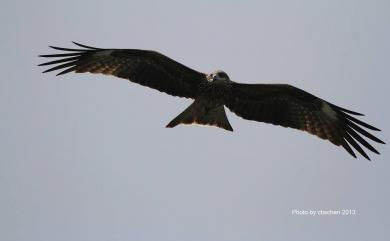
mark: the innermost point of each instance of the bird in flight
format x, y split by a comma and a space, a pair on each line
278, 104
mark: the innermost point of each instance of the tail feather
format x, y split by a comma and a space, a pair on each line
192, 115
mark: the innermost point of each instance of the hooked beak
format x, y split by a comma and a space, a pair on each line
210, 77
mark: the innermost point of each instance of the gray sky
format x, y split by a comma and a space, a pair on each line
87, 157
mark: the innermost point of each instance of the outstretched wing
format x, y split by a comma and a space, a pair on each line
148, 68
288, 106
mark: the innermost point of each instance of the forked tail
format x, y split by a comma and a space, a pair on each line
195, 115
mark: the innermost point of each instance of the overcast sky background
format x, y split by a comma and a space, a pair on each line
87, 157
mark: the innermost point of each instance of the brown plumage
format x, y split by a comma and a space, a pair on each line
278, 104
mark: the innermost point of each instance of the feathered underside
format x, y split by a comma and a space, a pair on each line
289, 106
148, 68
277, 104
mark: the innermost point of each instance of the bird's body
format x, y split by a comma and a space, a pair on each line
208, 106
278, 104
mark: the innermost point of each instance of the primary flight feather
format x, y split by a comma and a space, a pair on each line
278, 104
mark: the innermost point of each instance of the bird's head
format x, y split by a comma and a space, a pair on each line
218, 75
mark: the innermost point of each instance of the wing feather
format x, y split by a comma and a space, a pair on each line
148, 68
289, 106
